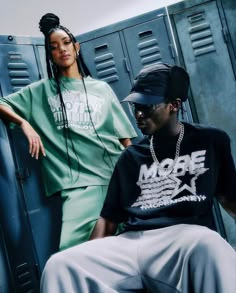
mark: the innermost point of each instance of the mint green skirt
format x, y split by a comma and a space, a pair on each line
80, 210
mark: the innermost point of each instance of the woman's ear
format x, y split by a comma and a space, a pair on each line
77, 46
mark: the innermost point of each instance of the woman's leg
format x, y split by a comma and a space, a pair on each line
80, 211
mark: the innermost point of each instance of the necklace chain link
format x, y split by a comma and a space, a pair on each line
154, 157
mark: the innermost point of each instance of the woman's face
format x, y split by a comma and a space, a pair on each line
63, 51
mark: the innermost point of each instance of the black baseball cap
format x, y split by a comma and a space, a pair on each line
158, 82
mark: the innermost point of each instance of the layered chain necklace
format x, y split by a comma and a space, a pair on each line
154, 157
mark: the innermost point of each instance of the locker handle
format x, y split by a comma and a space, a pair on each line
225, 34
145, 34
126, 65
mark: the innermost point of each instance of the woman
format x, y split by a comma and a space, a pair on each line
75, 125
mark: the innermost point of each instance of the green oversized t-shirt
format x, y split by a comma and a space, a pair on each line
93, 141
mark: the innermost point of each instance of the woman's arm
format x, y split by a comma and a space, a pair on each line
35, 143
103, 228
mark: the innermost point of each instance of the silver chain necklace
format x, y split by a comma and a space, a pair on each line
154, 157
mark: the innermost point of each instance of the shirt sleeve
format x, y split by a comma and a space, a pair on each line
122, 125
20, 102
226, 186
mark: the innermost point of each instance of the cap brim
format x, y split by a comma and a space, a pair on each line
141, 98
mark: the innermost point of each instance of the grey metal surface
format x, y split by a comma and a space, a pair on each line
30, 222
203, 50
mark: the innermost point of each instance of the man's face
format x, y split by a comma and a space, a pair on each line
151, 118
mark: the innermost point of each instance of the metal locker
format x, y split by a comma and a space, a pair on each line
18, 67
30, 221
151, 42
227, 12
6, 285
41, 57
118, 52
15, 224
106, 61
148, 43
207, 60
198, 32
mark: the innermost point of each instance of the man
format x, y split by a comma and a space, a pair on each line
162, 189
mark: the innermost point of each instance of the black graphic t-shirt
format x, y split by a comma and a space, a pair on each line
145, 196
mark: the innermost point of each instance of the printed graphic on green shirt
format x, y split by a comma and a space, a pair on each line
79, 111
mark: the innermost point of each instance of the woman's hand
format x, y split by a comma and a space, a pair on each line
35, 143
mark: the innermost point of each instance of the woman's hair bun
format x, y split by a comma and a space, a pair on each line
48, 22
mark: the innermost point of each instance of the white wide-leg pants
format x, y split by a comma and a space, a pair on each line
181, 258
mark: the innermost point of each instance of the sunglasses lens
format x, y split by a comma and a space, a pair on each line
142, 110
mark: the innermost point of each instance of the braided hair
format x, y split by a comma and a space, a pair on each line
48, 24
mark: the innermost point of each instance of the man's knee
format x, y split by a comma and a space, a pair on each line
208, 246
54, 263
200, 239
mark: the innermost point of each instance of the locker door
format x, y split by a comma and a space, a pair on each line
206, 56
41, 61
18, 67
148, 43
227, 9
44, 213
105, 58
207, 60
5, 280
15, 224
31, 223
106, 61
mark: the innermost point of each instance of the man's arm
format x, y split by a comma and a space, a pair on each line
125, 142
103, 228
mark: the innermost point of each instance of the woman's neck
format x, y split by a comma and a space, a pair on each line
71, 72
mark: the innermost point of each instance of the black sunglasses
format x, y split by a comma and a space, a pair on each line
143, 111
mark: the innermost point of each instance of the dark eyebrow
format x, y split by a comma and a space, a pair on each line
61, 39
